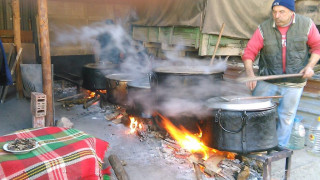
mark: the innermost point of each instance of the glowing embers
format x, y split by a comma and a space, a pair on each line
92, 97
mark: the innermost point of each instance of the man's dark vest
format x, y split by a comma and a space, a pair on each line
297, 55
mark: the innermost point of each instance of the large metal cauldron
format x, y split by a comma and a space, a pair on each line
185, 82
240, 126
93, 75
140, 100
117, 88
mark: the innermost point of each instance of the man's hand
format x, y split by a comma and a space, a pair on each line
249, 71
307, 72
251, 84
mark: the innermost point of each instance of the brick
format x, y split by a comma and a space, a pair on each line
38, 122
38, 104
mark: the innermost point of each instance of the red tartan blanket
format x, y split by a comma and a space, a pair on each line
62, 154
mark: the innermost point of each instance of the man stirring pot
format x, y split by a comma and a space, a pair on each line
285, 43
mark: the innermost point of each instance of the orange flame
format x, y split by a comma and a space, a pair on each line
91, 94
103, 91
191, 142
134, 125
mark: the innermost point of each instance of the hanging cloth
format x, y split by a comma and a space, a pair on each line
5, 74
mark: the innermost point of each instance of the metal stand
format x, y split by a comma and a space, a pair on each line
271, 156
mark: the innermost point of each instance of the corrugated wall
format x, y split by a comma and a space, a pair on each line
27, 13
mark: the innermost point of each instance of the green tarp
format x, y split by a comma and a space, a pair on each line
241, 17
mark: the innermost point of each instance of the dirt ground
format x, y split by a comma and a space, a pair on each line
143, 159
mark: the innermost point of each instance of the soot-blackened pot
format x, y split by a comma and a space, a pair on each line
241, 126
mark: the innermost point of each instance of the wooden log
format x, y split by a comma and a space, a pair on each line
17, 41
244, 174
46, 58
197, 171
209, 172
69, 97
117, 167
91, 101
229, 169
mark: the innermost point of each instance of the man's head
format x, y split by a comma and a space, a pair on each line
282, 11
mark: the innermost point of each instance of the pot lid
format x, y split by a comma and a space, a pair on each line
235, 103
99, 66
140, 83
122, 77
188, 69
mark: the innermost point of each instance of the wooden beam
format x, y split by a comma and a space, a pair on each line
46, 58
17, 42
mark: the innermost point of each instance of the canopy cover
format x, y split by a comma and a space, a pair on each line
241, 17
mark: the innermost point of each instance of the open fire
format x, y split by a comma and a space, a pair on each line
191, 142
135, 125
86, 97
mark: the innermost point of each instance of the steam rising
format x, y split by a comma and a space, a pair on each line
178, 93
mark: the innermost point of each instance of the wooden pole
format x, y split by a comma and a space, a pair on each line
217, 44
46, 58
261, 78
17, 42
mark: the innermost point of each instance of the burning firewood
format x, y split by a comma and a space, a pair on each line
90, 102
113, 116
212, 163
171, 143
244, 174
178, 152
230, 169
197, 171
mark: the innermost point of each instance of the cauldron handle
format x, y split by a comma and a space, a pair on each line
110, 86
243, 119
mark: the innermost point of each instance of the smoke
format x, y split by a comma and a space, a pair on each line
178, 85
110, 44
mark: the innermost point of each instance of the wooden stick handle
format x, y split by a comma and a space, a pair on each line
217, 44
260, 78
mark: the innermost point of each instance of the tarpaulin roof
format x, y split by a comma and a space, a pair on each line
241, 17
169, 12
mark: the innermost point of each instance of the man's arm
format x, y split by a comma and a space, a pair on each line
308, 70
314, 44
253, 47
248, 65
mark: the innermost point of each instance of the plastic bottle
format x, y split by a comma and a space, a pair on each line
298, 133
313, 146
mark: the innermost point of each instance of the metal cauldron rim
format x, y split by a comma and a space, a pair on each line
241, 105
187, 70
